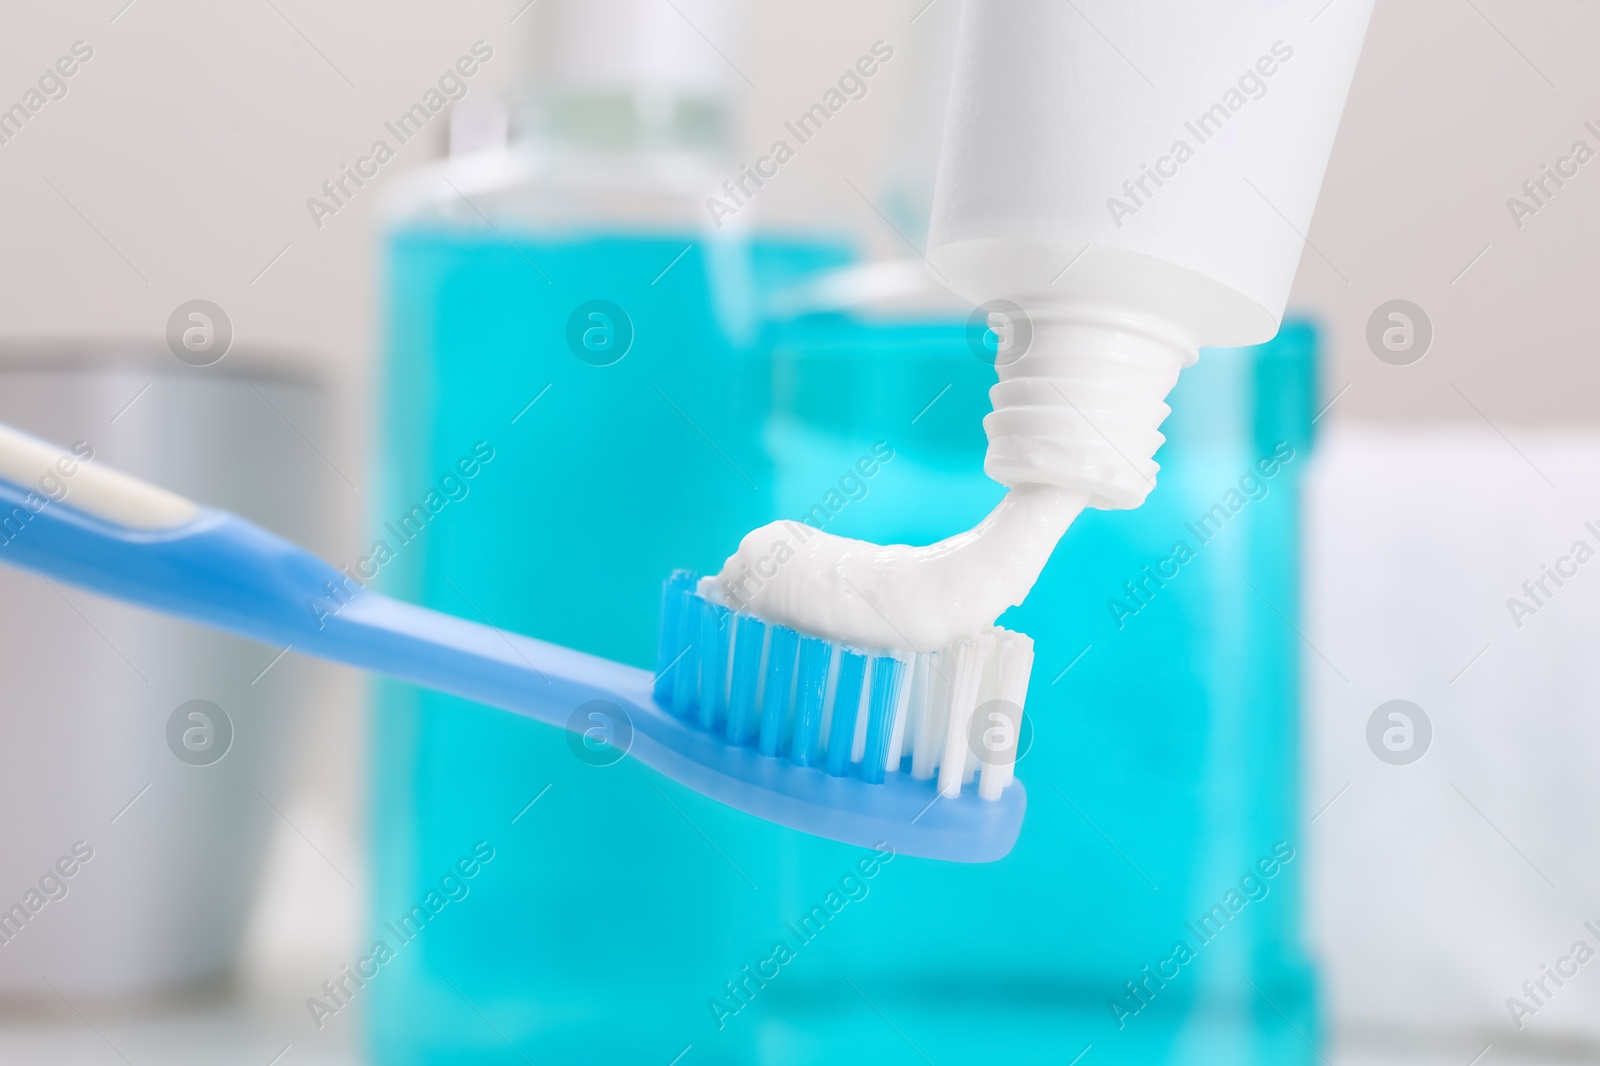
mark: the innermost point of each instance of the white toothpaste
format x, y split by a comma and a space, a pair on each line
1061, 209
896, 597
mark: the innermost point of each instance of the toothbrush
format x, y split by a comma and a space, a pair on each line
69, 517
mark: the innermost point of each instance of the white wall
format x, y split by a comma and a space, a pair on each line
188, 146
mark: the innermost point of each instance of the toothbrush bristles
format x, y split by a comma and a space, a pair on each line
954, 714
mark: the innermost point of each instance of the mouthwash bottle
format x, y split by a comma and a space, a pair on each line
1152, 907
565, 321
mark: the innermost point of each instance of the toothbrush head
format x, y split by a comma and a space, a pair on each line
915, 750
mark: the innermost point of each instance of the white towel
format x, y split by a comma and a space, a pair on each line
1440, 886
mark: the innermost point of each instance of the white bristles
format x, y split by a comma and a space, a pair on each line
980, 735
1014, 690
987, 673
1013, 661
986, 689
831, 690
966, 676
931, 704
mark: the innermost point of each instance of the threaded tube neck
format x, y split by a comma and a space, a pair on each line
1080, 401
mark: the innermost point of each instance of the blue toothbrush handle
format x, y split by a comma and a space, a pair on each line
134, 542
217, 569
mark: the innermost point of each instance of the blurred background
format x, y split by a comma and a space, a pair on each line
381, 328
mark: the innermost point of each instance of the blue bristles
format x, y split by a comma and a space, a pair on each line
686, 670
826, 708
888, 674
716, 624
670, 645
776, 687
811, 690
846, 705
749, 639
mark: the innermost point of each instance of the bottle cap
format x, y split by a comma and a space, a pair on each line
664, 46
